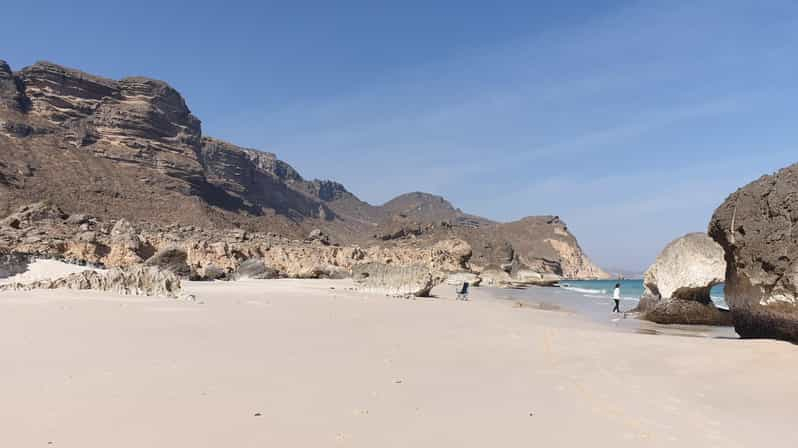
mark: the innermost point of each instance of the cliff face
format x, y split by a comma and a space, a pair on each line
132, 149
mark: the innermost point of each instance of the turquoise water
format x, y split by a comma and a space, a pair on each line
630, 289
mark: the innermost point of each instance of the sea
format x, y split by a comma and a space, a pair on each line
631, 290
592, 299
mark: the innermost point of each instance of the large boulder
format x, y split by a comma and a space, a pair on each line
686, 269
677, 286
756, 226
171, 259
254, 268
393, 280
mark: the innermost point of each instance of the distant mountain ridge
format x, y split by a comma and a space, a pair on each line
132, 149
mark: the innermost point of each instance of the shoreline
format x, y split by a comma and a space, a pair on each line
596, 309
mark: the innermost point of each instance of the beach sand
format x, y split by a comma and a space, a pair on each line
298, 363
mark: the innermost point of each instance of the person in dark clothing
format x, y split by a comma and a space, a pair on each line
462, 293
616, 297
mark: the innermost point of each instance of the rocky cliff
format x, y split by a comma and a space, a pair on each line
131, 149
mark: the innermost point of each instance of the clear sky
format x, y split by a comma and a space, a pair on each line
630, 120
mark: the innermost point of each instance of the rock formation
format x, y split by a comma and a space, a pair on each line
173, 259
135, 280
254, 268
458, 278
756, 228
131, 149
495, 276
45, 231
12, 264
529, 277
677, 286
400, 281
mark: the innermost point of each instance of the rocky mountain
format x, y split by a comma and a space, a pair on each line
131, 149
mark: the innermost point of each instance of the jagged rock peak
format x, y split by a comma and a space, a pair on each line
328, 190
216, 149
9, 88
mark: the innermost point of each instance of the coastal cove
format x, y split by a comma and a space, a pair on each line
398, 224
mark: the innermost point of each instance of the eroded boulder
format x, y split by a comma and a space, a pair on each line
756, 226
393, 280
135, 280
677, 286
172, 259
254, 268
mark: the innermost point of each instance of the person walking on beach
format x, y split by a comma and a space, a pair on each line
616, 297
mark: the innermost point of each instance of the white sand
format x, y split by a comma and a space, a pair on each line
45, 269
328, 367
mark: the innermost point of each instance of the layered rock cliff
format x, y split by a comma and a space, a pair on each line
131, 149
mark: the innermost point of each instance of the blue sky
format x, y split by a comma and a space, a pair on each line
630, 120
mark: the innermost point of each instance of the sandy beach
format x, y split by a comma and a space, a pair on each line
312, 363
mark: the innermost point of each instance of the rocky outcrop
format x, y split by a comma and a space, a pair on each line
458, 278
400, 281
125, 245
131, 149
200, 253
261, 180
677, 286
135, 280
135, 120
172, 259
495, 276
254, 268
30, 215
13, 264
317, 236
688, 312
544, 244
756, 228
10, 95
686, 269
533, 278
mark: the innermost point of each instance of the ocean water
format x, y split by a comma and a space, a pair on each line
630, 289
593, 300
